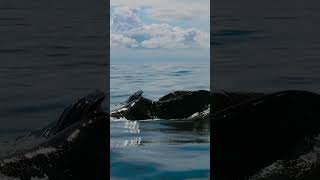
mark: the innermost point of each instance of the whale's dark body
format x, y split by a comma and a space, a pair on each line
176, 105
268, 136
74, 147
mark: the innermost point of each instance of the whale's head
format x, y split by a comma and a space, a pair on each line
140, 109
136, 107
84, 108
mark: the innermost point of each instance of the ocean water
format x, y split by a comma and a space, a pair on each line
49, 59
263, 46
52, 53
158, 149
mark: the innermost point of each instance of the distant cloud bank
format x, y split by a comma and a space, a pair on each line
128, 30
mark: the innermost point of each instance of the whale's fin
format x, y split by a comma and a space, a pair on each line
135, 96
77, 111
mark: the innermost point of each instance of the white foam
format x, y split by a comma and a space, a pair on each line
120, 119
43, 151
10, 160
73, 135
3, 177
11, 145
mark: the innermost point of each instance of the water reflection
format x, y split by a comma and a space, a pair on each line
195, 126
126, 143
158, 132
127, 127
153, 145
132, 126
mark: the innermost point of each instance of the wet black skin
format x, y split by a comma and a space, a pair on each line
176, 105
81, 157
276, 128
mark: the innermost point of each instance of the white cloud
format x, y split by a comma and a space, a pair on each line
127, 30
124, 19
119, 40
184, 13
171, 14
170, 10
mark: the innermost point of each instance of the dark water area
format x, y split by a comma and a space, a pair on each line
52, 53
265, 46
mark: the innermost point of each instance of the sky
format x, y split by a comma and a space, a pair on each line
160, 30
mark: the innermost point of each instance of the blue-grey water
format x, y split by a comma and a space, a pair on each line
51, 54
265, 46
158, 149
49, 58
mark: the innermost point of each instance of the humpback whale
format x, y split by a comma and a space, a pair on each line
178, 105
175, 105
269, 136
73, 149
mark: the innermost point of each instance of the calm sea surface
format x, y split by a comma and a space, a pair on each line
158, 149
266, 46
51, 54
